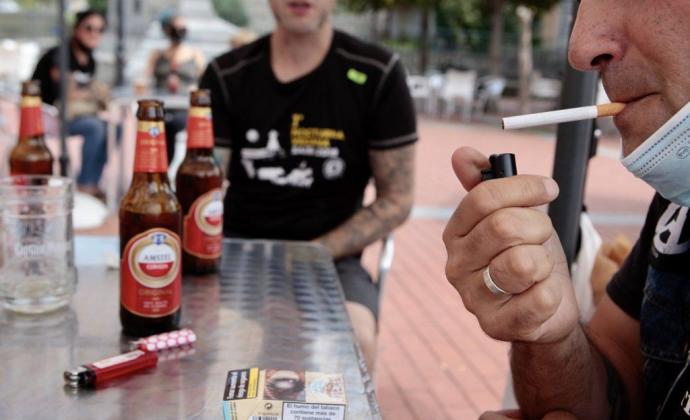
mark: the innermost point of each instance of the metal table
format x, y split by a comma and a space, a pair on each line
273, 305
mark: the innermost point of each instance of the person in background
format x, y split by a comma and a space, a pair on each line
85, 96
311, 115
632, 360
174, 71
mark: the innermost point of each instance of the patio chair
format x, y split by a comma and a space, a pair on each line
385, 261
544, 88
458, 90
420, 90
51, 124
489, 92
9, 125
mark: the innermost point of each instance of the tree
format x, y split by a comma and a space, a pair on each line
424, 6
526, 11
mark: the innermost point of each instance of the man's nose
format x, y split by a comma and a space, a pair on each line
597, 37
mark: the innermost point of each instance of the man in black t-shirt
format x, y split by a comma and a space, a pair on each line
85, 95
506, 262
311, 115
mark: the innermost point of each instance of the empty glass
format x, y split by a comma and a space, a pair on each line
37, 272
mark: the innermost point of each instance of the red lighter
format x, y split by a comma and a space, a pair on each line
144, 356
94, 374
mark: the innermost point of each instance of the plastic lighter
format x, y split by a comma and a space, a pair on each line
502, 166
143, 356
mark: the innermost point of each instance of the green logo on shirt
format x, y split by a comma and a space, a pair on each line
357, 76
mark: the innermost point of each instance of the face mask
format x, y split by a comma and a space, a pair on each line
663, 160
177, 34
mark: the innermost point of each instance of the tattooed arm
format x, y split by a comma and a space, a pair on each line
393, 171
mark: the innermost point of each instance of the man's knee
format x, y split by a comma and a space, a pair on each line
364, 326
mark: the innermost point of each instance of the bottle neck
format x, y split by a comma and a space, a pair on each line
199, 128
150, 177
31, 118
150, 156
199, 152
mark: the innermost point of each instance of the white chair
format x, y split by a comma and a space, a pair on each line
544, 88
385, 261
458, 90
489, 93
9, 126
420, 90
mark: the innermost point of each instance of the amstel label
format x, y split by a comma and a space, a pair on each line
150, 155
31, 119
150, 274
203, 226
199, 128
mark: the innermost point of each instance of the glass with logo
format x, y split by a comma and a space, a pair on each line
37, 272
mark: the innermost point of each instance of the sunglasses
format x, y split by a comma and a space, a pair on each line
93, 29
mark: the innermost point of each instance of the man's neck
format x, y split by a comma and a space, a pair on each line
296, 55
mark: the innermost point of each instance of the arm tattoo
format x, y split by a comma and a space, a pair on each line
393, 173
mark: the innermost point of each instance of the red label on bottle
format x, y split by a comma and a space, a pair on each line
199, 128
31, 119
150, 274
203, 226
150, 155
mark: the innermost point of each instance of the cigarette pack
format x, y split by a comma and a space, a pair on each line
280, 394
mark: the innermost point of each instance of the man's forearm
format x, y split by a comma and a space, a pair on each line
569, 375
365, 227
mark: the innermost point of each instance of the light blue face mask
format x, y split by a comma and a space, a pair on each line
663, 160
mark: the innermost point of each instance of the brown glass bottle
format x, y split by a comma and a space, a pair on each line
31, 155
150, 230
198, 185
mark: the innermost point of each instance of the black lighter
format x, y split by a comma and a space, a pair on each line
502, 166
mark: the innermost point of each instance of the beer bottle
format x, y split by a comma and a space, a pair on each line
198, 187
31, 155
150, 227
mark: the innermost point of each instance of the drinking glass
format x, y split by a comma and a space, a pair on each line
37, 272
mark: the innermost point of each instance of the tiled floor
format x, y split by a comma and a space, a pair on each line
434, 361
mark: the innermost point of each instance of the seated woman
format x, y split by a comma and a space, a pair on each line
85, 96
174, 70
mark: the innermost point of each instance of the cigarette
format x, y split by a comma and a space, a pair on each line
563, 115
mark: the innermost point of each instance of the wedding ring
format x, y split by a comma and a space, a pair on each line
493, 287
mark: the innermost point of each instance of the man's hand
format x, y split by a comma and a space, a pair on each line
497, 226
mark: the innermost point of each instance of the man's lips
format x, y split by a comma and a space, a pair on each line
299, 7
628, 99
632, 104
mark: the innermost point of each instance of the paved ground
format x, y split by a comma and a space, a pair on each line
435, 363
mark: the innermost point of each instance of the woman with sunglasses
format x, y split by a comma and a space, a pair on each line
85, 95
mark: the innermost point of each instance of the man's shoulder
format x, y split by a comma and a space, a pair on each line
355, 50
240, 58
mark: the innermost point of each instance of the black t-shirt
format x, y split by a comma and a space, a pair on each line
300, 149
50, 89
653, 286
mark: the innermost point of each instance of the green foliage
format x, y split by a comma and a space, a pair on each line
100, 5
33, 4
360, 6
232, 11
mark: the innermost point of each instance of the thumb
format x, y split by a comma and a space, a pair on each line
468, 164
